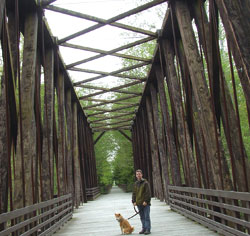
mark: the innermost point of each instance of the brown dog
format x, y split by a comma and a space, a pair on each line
124, 224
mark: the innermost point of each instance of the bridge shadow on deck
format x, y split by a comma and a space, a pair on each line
96, 218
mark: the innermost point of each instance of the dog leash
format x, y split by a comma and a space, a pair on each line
137, 212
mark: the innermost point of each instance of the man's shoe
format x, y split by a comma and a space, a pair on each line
147, 232
142, 231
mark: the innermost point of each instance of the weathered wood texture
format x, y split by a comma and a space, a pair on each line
26, 148
154, 151
34, 164
198, 95
61, 136
200, 147
171, 145
201, 94
159, 139
178, 108
69, 140
47, 151
3, 150
228, 113
76, 159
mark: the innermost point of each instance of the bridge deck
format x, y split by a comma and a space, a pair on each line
96, 218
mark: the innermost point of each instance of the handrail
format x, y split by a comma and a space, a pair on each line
227, 212
92, 193
42, 218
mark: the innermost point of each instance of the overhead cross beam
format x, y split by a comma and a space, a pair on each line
99, 20
111, 101
125, 123
104, 100
114, 128
112, 117
106, 90
112, 110
105, 53
138, 42
113, 19
107, 74
99, 114
113, 123
108, 110
113, 73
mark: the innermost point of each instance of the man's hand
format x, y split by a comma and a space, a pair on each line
144, 204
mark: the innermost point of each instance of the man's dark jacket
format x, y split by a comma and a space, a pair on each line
141, 192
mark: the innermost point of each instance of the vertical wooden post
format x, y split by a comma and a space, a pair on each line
76, 157
36, 170
89, 158
201, 150
162, 150
69, 146
23, 189
61, 135
47, 153
183, 134
174, 162
141, 156
3, 150
92, 150
134, 143
154, 151
147, 147
82, 157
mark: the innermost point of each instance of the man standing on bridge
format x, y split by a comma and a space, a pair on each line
141, 198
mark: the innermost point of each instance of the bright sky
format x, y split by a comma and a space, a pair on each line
105, 38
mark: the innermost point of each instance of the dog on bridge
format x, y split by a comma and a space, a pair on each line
126, 228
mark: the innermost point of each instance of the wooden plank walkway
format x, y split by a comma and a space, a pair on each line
96, 218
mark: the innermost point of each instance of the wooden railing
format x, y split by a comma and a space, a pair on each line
92, 193
226, 212
43, 218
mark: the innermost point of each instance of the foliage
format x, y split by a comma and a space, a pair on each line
123, 162
104, 150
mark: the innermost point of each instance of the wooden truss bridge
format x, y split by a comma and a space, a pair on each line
185, 123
